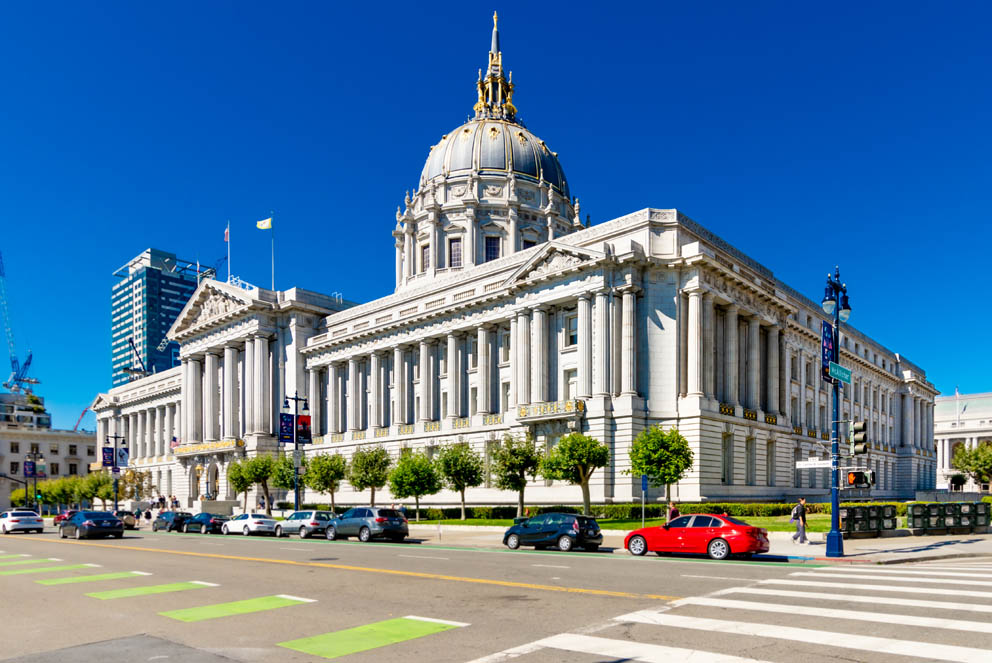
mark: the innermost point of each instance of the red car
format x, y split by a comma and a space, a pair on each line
65, 515
717, 536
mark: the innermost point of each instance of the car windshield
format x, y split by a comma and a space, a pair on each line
734, 521
587, 522
389, 513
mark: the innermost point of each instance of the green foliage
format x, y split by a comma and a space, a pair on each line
415, 475
18, 497
259, 470
664, 456
574, 459
516, 459
237, 480
975, 462
282, 475
461, 468
101, 485
325, 473
958, 480
369, 468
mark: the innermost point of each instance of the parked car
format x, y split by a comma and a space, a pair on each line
205, 523
21, 521
128, 518
368, 523
250, 523
565, 531
717, 536
68, 513
304, 523
171, 521
87, 524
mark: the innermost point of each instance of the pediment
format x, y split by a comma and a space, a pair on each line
213, 302
554, 258
102, 402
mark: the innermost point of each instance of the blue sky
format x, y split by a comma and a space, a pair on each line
805, 135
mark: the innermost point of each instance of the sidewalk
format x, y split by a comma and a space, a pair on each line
889, 550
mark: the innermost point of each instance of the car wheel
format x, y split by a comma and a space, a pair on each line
637, 545
364, 535
223, 530
278, 531
185, 528
205, 530
154, 527
331, 533
592, 548
304, 533
246, 531
718, 549
78, 534
119, 535
3, 528
61, 533
565, 543
513, 542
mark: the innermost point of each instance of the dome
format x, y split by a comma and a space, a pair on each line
494, 147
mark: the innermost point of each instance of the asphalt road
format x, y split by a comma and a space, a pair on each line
192, 598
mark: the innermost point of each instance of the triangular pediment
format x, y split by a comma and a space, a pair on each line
213, 302
554, 258
102, 402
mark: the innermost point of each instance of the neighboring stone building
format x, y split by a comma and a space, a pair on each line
962, 420
25, 428
511, 316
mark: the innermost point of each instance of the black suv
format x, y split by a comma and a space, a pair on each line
562, 530
170, 521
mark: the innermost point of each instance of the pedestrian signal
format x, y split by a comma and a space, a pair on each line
860, 479
859, 438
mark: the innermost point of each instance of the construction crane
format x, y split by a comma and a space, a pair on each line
80, 420
18, 380
134, 372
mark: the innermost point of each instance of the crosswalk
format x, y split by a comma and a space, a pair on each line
926, 611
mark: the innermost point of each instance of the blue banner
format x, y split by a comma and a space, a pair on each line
826, 350
285, 428
108, 456
29, 468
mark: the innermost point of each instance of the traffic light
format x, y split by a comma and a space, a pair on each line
859, 438
860, 479
38, 497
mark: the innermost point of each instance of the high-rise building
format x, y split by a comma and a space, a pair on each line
153, 288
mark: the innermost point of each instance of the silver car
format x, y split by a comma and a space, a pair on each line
368, 523
21, 521
304, 523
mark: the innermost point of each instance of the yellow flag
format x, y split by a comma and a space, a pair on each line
264, 224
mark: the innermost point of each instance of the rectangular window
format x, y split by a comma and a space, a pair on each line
15, 467
751, 461
770, 463
473, 400
444, 404
727, 458
571, 384
15, 448
36, 450
492, 248
505, 397
529, 243
571, 331
72, 449
474, 353
504, 350
53, 449
455, 252
72, 469
425, 257
90, 451
53, 469
798, 477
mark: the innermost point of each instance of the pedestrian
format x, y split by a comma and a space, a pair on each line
673, 511
799, 517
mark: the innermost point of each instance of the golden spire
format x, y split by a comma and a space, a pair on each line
495, 19
495, 91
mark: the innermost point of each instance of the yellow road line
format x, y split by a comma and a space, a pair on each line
365, 569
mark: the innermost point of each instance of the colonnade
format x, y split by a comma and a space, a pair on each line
147, 431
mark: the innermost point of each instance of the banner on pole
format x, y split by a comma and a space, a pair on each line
285, 428
29, 468
826, 350
108, 456
303, 429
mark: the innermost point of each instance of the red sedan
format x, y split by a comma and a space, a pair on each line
717, 536
65, 515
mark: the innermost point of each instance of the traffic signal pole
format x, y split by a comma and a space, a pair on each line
116, 470
836, 294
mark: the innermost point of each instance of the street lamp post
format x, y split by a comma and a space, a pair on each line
116, 470
34, 457
296, 443
835, 303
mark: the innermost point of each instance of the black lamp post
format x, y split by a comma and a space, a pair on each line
835, 303
116, 472
34, 457
296, 443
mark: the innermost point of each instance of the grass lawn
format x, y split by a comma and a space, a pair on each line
818, 522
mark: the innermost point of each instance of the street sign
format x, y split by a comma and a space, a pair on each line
297, 458
826, 350
813, 464
285, 428
644, 483
116, 471
122, 457
839, 372
29, 468
108, 456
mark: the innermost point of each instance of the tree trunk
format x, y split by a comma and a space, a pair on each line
462, 491
668, 492
520, 503
585, 497
245, 509
333, 508
417, 499
373, 496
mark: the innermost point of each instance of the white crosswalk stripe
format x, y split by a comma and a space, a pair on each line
940, 581
877, 588
929, 572
857, 598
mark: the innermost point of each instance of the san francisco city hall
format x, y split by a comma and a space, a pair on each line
511, 315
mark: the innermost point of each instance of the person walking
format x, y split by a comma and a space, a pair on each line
673, 511
799, 516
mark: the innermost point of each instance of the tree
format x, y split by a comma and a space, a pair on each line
282, 476
237, 480
61, 492
17, 497
259, 470
415, 475
369, 468
101, 485
664, 456
975, 462
515, 460
574, 459
325, 473
461, 468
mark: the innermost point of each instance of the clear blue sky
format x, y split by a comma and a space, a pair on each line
804, 135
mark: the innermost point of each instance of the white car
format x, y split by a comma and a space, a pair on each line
250, 523
24, 521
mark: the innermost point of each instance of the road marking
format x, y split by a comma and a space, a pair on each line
369, 636
303, 549
864, 643
13, 556
365, 569
296, 598
423, 557
552, 566
30, 561
857, 598
909, 572
626, 650
129, 592
818, 611
712, 577
44, 569
876, 588
91, 578
936, 581
246, 606
507, 654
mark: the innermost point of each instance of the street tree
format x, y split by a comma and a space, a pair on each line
282, 477
102, 486
664, 456
975, 462
574, 459
18, 497
369, 469
61, 492
324, 474
516, 459
238, 482
461, 468
415, 475
259, 470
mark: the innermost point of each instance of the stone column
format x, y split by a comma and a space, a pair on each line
184, 398
375, 390
772, 374
399, 258
196, 401
170, 426
248, 396
177, 418
164, 434
333, 401
426, 411
730, 355
513, 222
601, 353
352, 396
628, 340
408, 251
454, 377
230, 393
484, 405
708, 344
210, 400
399, 385
784, 383
523, 357
907, 420
313, 398
154, 424
802, 388
585, 346
514, 362
754, 362
138, 450
539, 354
263, 387
693, 348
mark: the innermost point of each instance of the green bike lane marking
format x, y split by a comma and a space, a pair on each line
369, 636
13, 556
128, 592
45, 569
31, 561
246, 606
91, 578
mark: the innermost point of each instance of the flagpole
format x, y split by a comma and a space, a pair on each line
228, 250
273, 231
